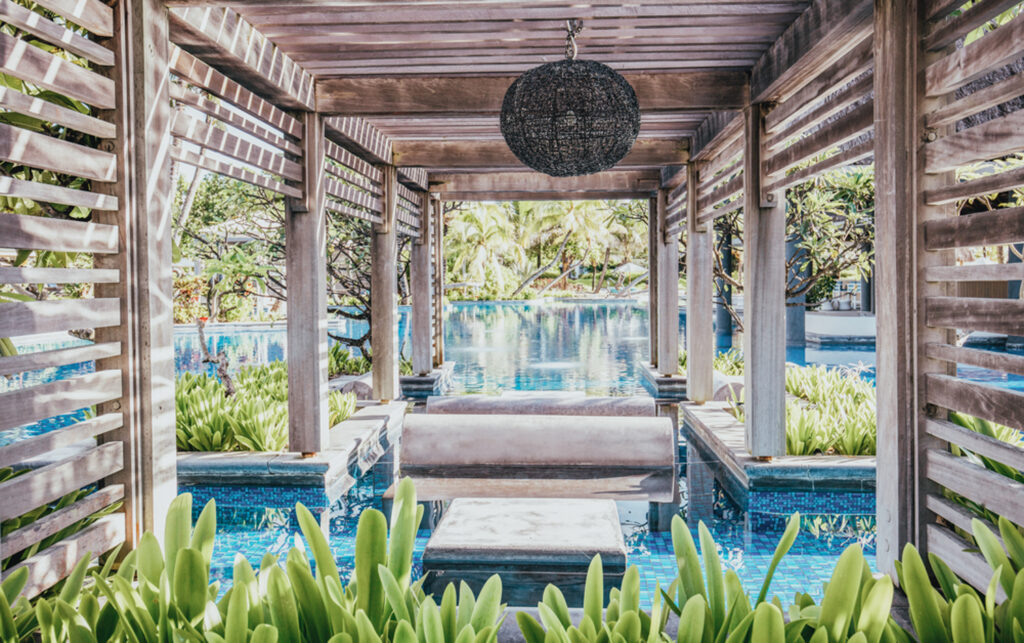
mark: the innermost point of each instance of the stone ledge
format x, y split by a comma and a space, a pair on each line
436, 382
663, 387
355, 445
712, 430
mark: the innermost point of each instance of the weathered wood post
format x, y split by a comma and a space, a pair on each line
422, 292
306, 265
652, 276
764, 300
668, 290
384, 295
438, 282
700, 340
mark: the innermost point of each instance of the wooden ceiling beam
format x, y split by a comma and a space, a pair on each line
518, 195
820, 36
457, 156
529, 181
483, 95
222, 39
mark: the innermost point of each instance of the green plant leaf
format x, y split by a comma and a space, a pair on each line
874, 612
371, 552
924, 611
713, 574
785, 544
488, 604
769, 625
965, 620
593, 592
839, 602
190, 582
284, 613
264, 633
531, 629
555, 600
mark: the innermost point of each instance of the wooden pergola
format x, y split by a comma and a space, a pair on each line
382, 110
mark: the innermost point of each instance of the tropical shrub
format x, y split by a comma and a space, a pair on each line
165, 593
342, 361
253, 418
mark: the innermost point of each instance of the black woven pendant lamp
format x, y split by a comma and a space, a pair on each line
570, 117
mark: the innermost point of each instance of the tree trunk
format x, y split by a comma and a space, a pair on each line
560, 277
540, 271
604, 271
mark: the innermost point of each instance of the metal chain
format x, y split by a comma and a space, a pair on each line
572, 28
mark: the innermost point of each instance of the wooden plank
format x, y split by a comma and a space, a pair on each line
233, 118
851, 155
832, 105
438, 281
981, 229
222, 38
58, 357
1006, 362
977, 443
727, 158
686, 90
446, 155
51, 524
346, 175
43, 69
202, 75
27, 448
58, 276
422, 294
714, 133
992, 403
22, 103
89, 14
345, 209
652, 278
975, 187
852, 125
413, 177
764, 279
668, 291
731, 188
407, 230
27, 318
989, 489
348, 159
49, 483
831, 79
997, 48
306, 239
202, 134
412, 198
976, 313
34, 23
825, 32
975, 272
530, 181
961, 556
361, 137
991, 140
980, 100
935, 10
49, 567
190, 157
347, 192
384, 285
42, 233
35, 191
34, 403
955, 514
23, 147
945, 33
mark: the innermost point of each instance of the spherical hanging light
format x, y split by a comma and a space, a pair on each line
570, 117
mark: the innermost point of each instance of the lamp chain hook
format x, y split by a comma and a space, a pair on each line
572, 28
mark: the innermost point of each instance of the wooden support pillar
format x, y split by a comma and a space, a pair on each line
652, 276
422, 292
306, 264
668, 290
384, 295
438, 282
145, 192
700, 340
764, 295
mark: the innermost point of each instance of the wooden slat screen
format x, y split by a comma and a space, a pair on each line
675, 211
224, 128
969, 151
720, 185
61, 194
352, 187
409, 210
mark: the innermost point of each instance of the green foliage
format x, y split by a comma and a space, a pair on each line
833, 413
20, 522
728, 362
165, 593
821, 290
342, 361
255, 418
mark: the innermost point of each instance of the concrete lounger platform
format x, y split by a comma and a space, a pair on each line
531, 542
355, 445
715, 433
663, 387
541, 403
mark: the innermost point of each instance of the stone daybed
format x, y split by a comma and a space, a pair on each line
436, 382
356, 444
715, 432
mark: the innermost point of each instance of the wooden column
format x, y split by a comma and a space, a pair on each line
422, 292
700, 340
764, 301
438, 282
668, 291
652, 276
384, 296
306, 264
145, 192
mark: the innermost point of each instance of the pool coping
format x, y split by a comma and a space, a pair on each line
416, 387
713, 430
663, 387
356, 444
